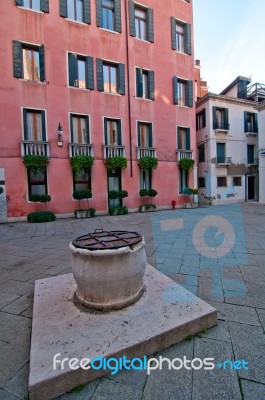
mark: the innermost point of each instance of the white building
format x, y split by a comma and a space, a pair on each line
262, 153
227, 142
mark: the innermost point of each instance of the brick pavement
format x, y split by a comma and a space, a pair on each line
233, 283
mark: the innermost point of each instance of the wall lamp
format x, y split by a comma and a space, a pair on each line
60, 135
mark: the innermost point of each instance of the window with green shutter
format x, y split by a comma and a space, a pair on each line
141, 22
201, 119
108, 13
76, 10
145, 85
183, 138
145, 134
28, 61
250, 122
181, 36
182, 92
112, 132
37, 5
80, 71
110, 77
220, 118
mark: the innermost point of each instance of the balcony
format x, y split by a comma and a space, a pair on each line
77, 149
113, 151
181, 154
221, 127
223, 161
253, 161
34, 148
146, 152
250, 132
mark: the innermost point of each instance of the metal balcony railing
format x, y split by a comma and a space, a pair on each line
113, 151
181, 154
223, 160
253, 161
35, 148
146, 152
77, 149
222, 125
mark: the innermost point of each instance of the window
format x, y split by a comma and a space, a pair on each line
237, 181
201, 153
110, 77
82, 180
145, 84
181, 36
76, 10
37, 182
37, 5
220, 118
183, 180
220, 149
109, 14
251, 122
221, 181
145, 139
80, 71
112, 132
251, 153
201, 182
79, 129
34, 125
146, 178
183, 138
201, 119
141, 22
28, 61
183, 92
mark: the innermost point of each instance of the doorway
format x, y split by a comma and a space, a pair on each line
251, 188
114, 183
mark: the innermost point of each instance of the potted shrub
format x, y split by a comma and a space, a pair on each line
79, 195
112, 163
148, 162
81, 163
147, 193
186, 164
121, 209
35, 163
193, 193
40, 198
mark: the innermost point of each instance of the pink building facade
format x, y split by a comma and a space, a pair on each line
119, 78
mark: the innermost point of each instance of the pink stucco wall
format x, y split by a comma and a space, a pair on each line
59, 36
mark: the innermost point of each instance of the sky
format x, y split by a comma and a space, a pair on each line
229, 38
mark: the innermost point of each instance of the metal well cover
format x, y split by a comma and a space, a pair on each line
105, 240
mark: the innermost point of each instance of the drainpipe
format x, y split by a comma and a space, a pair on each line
128, 80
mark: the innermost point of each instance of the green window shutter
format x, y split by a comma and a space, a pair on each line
44, 5
72, 128
178, 138
245, 121
72, 68
43, 125
89, 73
187, 37
139, 83
119, 133
100, 82
203, 117
173, 33
132, 17
117, 10
214, 118
150, 138
121, 79
175, 90
106, 130
197, 122
139, 133
150, 25
42, 63
226, 119
17, 59
19, 2
25, 125
63, 8
255, 123
188, 139
189, 93
87, 12
99, 13
87, 129
151, 85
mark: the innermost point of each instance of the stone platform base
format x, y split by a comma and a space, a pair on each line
166, 314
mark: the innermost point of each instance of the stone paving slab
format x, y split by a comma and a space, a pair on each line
253, 390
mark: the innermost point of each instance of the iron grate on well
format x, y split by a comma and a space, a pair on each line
103, 240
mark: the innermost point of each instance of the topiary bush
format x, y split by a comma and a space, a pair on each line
41, 216
148, 162
81, 163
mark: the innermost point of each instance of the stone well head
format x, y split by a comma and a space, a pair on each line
108, 267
